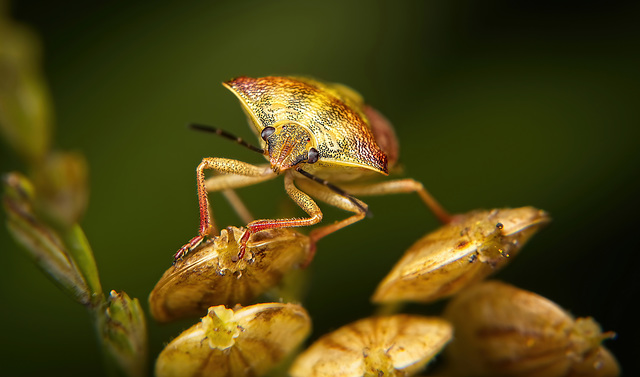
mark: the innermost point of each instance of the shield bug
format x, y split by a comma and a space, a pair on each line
315, 134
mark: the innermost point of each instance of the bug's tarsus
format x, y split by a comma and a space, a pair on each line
225, 134
335, 189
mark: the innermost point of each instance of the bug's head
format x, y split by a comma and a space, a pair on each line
288, 145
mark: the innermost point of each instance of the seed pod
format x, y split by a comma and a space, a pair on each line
398, 345
240, 342
468, 249
502, 330
212, 275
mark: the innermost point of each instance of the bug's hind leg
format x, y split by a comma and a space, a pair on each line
401, 186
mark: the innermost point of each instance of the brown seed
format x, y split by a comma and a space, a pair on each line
212, 275
240, 342
468, 249
502, 330
398, 345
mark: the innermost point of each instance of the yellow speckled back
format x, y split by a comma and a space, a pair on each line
333, 113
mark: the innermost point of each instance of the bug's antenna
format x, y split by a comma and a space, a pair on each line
336, 189
225, 134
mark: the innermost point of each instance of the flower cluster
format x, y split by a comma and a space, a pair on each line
487, 329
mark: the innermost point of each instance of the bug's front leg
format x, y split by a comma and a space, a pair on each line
236, 174
303, 200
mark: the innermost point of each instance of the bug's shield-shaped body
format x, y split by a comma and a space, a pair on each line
333, 115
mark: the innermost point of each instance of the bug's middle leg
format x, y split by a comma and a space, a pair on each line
238, 205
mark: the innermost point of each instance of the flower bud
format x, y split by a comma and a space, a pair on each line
61, 182
397, 345
502, 330
468, 249
44, 244
245, 341
25, 106
125, 334
212, 275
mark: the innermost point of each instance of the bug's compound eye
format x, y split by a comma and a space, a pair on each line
266, 132
312, 156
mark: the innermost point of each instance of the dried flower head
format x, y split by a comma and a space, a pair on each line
398, 345
468, 249
236, 342
212, 275
502, 330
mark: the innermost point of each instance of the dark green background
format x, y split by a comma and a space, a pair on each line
496, 103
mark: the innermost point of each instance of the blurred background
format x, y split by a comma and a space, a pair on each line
495, 103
